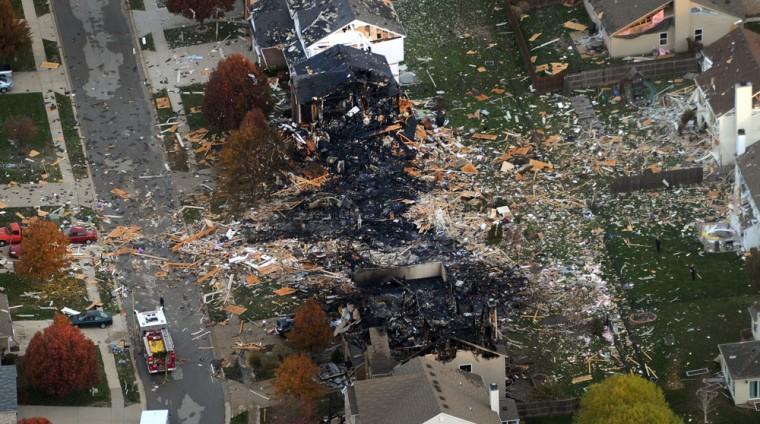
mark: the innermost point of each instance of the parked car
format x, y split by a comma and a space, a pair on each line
82, 235
10, 234
6, 78
15, 251
92, 319
284, 324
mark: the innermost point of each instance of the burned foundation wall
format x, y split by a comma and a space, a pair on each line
412, 272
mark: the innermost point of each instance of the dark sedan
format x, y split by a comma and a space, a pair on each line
92, 319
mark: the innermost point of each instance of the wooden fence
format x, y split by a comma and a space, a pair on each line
547, 408
651, 181
542, 84
654, 70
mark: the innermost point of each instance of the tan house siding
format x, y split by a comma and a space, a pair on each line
713, 26
643, 44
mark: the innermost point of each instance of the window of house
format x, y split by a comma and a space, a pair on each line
466, 367
698, 35
754, 389
663, 38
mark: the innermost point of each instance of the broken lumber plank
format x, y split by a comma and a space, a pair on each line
205, 277
209, 229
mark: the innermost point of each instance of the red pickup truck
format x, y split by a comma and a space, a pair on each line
82, 235
10, 234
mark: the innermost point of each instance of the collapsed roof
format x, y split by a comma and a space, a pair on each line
339, 66
320, 18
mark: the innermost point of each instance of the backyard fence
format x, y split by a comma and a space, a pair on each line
652, 181
542, 84
653, 70
547, 408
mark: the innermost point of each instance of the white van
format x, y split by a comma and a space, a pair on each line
160, 416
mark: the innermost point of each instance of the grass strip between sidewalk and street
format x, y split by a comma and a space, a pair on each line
71, 136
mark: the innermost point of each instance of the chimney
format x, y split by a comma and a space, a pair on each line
743, 112
741, 143
682, 30
494, 396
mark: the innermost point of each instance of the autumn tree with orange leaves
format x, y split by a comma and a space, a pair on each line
14, 33
234, 88
35, 420
44, 251
251, 159
311, 328
298, 378
60, 360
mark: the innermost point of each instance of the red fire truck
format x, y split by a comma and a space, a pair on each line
157, 342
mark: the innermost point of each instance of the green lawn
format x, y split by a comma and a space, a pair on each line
15, 166
261, 301
192, 103
448, 60
241, 418
102, 398
52, 53
692, 317
70, 126
207, 33
137, 4
149, 43
547, 21
126, 372
41, 7
105, 289
175, 153
41, 300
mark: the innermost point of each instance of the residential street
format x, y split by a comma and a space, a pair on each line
124, 153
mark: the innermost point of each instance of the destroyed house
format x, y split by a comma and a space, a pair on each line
630, 28
745, 218
728, 89
422, 306
292, 30
343, 82
422, 391
274, 35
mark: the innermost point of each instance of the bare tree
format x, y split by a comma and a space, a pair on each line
706, 396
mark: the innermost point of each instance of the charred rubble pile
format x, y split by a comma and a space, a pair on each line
363, 199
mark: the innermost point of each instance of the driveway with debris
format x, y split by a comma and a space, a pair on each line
125, 154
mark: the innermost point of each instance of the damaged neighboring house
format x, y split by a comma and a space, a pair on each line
631, 28
727, 92
740, 365
423, 391
343, 83
285, 32
745, 215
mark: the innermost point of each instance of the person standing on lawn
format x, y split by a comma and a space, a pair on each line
657, 243
693, 272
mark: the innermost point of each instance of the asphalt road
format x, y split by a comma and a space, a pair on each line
115, 116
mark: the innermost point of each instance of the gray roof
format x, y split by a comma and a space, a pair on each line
749, 166
616, 14
8, 399
742, 359
272, 24
735, 58
6, 323
320, 18
735, 8
323, 74
420, 390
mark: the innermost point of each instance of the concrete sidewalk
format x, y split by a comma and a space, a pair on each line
48, 82
172, 69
